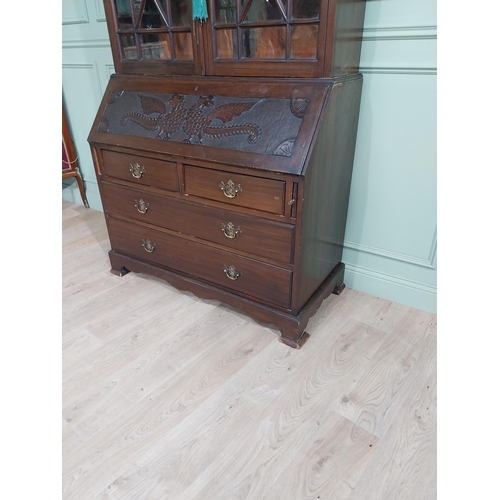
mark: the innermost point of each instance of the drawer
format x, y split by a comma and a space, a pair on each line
142, 170
261, 237
244, 276
267, 195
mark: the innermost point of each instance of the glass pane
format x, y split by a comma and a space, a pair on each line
183, 46
265, 43
305, 9
304, 41
137, 4
129, 49
225, 11
156, 46
180, 12
123, 14
151, 17
227, 44
261, 10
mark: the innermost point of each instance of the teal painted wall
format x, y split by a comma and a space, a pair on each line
391, 235
87, 64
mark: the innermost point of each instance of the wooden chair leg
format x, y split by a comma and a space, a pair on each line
79, 179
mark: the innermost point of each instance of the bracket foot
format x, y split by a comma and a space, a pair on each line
119, 272
296, 344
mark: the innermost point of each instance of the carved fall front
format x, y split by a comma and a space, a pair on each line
247, 124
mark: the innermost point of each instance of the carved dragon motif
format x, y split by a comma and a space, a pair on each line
197, 124
193, 121
166, 123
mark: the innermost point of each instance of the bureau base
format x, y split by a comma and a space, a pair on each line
292, 327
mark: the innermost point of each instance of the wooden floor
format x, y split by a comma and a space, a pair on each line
166, 396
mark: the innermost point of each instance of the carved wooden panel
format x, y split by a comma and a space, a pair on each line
245, 124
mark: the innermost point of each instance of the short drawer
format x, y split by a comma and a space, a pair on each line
244, 276
267, 195
140, 169
261, 237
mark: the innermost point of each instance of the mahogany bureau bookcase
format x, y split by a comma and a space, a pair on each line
224, 145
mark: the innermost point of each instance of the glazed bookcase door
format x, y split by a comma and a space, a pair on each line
266, 37
153, 36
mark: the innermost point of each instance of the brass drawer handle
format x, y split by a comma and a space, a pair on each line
230, 189
230, 231
142, 206
137, 171
232, 273
148, 245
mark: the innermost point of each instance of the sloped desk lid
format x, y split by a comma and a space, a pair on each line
257, 123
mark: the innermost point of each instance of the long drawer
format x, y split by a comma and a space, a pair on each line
263, 238
244, 276
267, 195
141, 170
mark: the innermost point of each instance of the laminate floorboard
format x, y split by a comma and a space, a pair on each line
167, 396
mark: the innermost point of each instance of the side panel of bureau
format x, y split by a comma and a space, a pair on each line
327, 184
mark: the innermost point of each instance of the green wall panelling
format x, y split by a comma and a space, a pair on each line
391, 235
87, 64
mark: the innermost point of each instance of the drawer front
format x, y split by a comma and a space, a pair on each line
142, 170
260, 237
241, 275
267, 195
